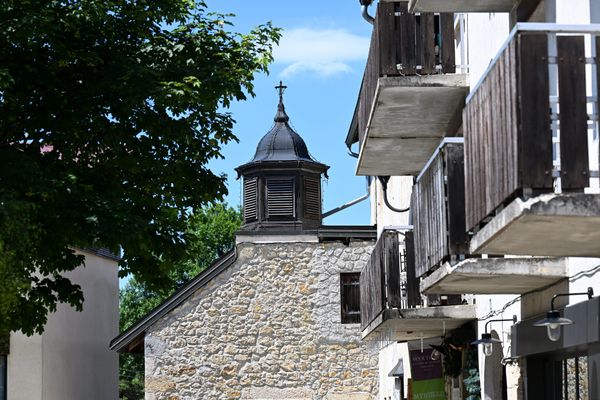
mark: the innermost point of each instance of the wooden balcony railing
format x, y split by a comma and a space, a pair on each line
403, 43
388, 279
438, 209
529, 123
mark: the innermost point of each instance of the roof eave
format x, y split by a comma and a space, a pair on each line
138, 329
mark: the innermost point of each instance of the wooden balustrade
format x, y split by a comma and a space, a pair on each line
438, 210
388, 279
507, 125
403, 43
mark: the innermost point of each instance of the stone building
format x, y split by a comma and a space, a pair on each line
277, 317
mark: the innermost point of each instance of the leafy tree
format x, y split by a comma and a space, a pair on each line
211, 234
109, 113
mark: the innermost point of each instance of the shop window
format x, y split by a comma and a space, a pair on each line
574, 378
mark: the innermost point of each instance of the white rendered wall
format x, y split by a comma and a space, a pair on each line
486, 33
388, 358
24, 372
399, 191
571, 11
495, 307
71, 359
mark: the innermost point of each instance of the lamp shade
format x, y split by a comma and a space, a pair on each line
553, 323
487, 341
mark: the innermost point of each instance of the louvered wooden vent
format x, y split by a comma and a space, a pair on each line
250, 200
312, 197
280, 198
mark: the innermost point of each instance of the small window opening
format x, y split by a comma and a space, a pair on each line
350, 297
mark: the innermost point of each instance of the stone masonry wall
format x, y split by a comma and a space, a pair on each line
266, 328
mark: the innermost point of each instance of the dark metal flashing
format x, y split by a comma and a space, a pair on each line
347, 232
324, 233
101, 252
136, 331
352, 136
282, 166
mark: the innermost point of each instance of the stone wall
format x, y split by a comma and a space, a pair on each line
266, 328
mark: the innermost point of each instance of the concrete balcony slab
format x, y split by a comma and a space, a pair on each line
416, 323
558, 225
409, 116
495, 276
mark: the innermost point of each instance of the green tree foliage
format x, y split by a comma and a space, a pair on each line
109, 113
211, 234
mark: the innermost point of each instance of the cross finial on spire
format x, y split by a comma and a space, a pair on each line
281, 88
281, 116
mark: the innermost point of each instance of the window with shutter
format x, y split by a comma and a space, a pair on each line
280, 198
350, 297
312, 197
250, 199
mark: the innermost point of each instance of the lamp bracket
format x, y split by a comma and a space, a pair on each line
589, 293
513, 319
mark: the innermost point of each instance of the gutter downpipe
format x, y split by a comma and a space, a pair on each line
365, 14
350, 203
384, 181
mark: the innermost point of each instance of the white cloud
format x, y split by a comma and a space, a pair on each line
324, 52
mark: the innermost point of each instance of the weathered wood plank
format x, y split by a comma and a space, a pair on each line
427, 43
391, 247
388, 37
372, 284
598, 86
574, 162
514, 119
454, 160
413, 293
535, 153
501, 127
408, 55
447, 48
467, 129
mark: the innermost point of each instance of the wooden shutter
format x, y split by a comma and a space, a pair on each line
350, 297
312, 197
280, 197
250, 200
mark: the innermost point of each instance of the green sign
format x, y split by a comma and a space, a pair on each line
430, 389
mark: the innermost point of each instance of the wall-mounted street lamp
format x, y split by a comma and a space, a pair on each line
553, 321
486, 338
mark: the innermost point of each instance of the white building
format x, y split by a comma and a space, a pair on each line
490, 108
71, 360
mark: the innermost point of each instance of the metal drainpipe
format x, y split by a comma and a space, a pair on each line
350, 203
384, 181
365, 14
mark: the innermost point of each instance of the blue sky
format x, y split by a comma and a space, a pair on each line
321, 59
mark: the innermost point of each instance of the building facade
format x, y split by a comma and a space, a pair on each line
481, 117
278, 317
71, 359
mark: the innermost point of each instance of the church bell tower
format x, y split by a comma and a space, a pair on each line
282, 182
